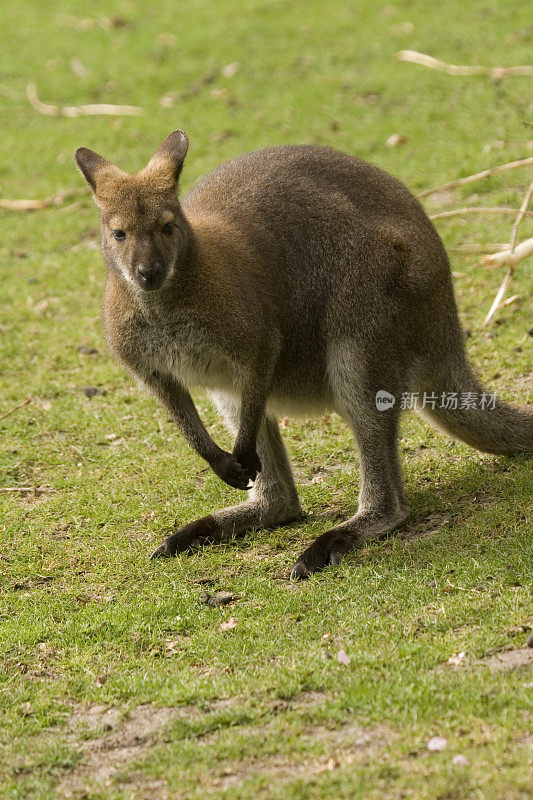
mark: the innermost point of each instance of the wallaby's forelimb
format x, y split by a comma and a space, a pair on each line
251, 413
273, 499
177, 400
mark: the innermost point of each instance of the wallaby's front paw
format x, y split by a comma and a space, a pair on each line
231, 471
249, 461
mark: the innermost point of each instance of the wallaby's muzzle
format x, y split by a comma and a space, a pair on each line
150, 277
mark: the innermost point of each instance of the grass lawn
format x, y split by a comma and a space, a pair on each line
117, 681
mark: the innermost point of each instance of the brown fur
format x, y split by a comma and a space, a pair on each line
291, 279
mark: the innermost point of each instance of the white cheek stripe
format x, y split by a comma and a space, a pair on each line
125, 272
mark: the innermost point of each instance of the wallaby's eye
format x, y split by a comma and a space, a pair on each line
168, 228
119, 235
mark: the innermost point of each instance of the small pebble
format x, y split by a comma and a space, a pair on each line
219, 599
460, 760
437, 743
343, 657
92, 391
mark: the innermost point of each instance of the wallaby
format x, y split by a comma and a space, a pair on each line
291, 279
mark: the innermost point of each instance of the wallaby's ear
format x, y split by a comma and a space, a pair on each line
90, 164
164, 168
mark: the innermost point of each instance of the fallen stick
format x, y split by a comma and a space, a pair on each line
509, 257
88, 23
70, 208
511, 300
495, 73
92, 109
499, 296
486, 173
11, 410
513, 255
520, 216
101, 109
27, 489
16, 488
37, 205
478, 210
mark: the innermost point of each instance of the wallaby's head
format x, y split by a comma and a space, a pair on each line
144, 232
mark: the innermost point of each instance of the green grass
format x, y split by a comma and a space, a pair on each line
85, 619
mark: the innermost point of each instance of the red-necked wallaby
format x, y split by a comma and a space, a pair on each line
289, 279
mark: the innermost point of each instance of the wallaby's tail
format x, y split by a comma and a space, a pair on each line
465, 410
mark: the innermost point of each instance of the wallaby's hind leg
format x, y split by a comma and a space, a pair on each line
382, 504
272, 501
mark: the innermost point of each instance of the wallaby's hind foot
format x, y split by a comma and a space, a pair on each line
273, 500
329, 548
207, 530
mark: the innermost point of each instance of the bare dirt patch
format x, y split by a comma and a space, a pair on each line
428, 526
140, 787
509, 659
341, 747
109, 739
117, 739
502, 661
308, 700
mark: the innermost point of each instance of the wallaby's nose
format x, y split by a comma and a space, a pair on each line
143, 271
148, 275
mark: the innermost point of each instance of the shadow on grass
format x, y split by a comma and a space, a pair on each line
443, 503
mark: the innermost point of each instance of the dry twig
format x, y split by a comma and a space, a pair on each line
88, 23
11, 410
478, 210
511, 257
37, 205
93, 109
486, 173
512, 254
497, 302
520, 216
27, 489
495, 73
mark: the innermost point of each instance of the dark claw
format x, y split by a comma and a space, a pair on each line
238, 482
202, 531
232, 472
249, 463
160, 552
299, 572
327, 550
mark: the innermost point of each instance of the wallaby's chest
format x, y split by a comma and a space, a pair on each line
184, 349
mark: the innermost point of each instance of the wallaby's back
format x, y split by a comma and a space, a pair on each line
296, 202
338, 242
